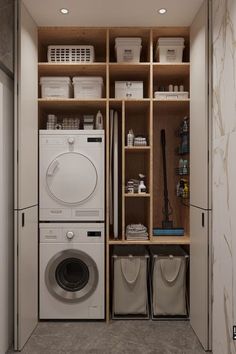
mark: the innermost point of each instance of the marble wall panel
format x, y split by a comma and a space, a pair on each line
224, 175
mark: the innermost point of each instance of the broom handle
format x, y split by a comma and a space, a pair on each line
166, 199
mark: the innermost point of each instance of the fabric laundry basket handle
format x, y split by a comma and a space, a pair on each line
124, 272
178, 262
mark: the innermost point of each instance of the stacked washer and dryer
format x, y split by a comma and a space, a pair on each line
72, 248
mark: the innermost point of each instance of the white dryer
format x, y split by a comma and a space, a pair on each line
71, 175
71, 271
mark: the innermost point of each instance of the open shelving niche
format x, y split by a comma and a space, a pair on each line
146, 116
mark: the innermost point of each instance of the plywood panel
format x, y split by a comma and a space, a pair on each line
170, 120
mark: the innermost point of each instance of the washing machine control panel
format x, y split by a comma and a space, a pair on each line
70, 235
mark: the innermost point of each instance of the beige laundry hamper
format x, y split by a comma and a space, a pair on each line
130, 282
168, 282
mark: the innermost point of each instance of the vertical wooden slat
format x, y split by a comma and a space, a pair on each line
151, 136
107, 298
123, 170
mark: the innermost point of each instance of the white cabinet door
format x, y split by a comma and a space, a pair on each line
25, 179
199, 122
26, 275
200, 310
26, 113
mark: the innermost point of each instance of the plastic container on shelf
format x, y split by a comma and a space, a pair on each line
55, 87
129, 89
170, 50
130, 281
168, 95
128, 49
70, 54
87, 87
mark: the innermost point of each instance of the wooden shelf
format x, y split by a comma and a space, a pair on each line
68, 69
71, 103
137, 148
126, 242
171, 240
137, 195
186, 100
156, 240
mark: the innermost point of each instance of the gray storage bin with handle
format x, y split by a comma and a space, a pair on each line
168, 281
130, 282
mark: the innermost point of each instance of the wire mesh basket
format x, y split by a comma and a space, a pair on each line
70, 54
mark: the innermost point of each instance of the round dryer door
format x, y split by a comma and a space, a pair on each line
71, 276
71, 178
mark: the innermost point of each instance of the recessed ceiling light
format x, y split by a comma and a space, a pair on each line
64, 11
162, 11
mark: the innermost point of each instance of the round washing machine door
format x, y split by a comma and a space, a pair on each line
71, 276
71, 178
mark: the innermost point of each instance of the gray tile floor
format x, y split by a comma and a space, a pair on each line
117, 337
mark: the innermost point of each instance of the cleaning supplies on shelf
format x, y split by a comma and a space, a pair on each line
88, 122
136, 185
142, 188
183, 167
132, 186
140, 140
133, 140
99, 121
182, 189
167, 228
136, 232
130, 138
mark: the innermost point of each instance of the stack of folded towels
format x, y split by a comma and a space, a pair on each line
136, 232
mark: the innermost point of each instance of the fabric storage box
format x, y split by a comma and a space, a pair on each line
168, 281
130, 282
55, 87
128, 49
88, 87
170, 95
170, 50
70, 54
129, 89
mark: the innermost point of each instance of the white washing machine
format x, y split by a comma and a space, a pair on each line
71, 175
71, 271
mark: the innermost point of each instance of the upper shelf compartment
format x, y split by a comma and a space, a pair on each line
142, 33
171, 32
72, 36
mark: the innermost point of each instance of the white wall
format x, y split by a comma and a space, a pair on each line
224, 175
6, 212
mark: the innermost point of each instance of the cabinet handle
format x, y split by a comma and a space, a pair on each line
203, 220
23, 219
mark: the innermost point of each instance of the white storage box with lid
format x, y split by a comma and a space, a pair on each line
170, 50
130, 281
128, 49
55, 87
168, 281
87, 87
129, 89
70, 54
171, 95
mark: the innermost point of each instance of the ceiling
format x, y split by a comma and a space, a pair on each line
108, 13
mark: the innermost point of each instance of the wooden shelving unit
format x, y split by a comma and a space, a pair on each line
145, 116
